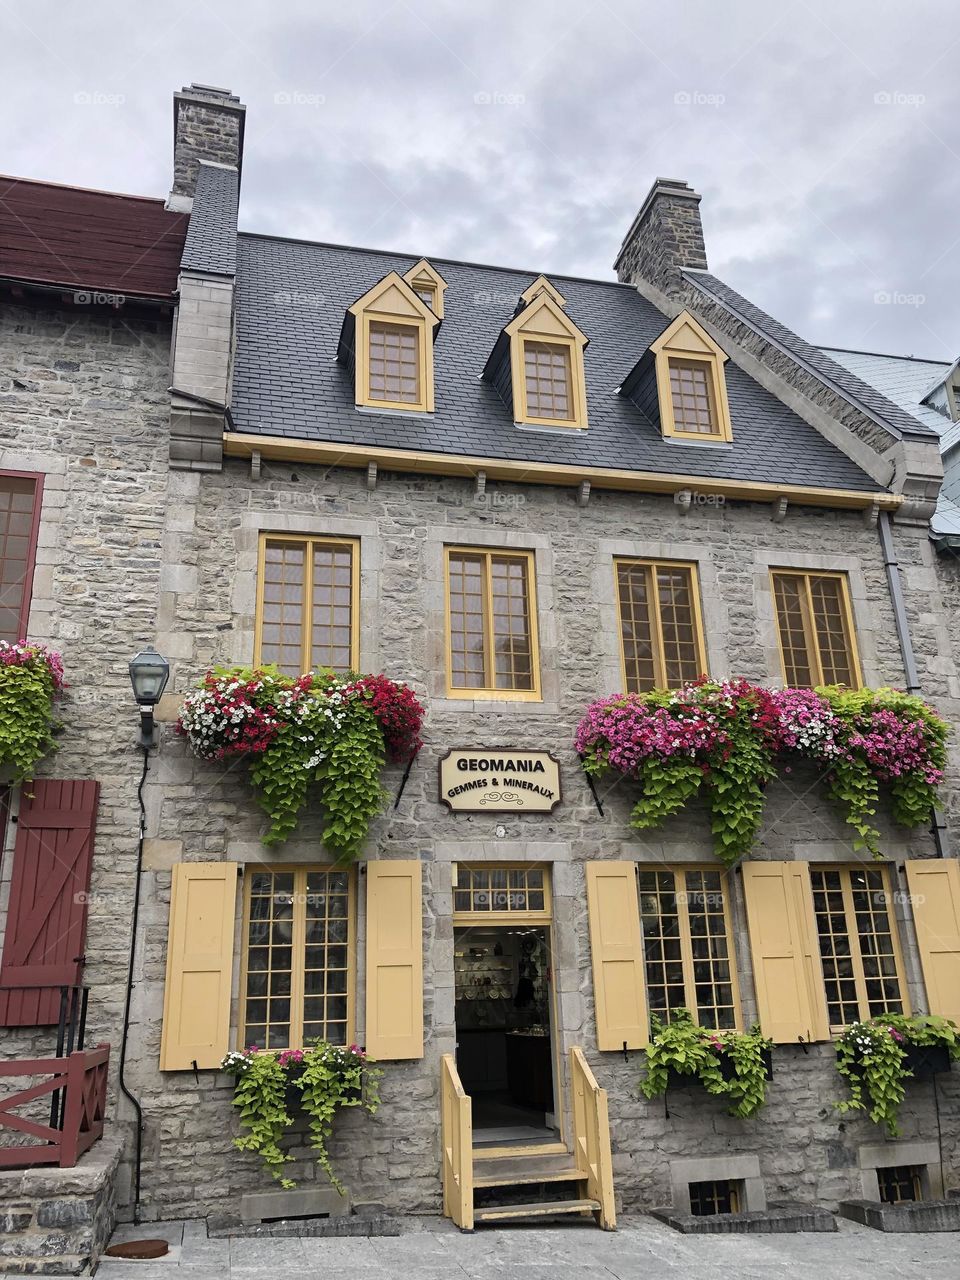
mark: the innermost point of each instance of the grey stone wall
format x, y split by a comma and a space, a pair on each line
201, 811
666, 236
83, 399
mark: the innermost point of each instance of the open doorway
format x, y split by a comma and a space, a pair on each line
504, 1006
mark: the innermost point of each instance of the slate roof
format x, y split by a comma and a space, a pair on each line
847, 383
906, 381
93, 241
211, 245
292, 296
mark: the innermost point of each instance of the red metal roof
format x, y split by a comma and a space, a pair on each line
89, 240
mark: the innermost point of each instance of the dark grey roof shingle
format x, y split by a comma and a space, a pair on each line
211, 245
291, 301
847, 382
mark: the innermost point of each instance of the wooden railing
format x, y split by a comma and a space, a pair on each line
456, 1137
82, 1077
591, 1137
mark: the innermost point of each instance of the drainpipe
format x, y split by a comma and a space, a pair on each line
892, 566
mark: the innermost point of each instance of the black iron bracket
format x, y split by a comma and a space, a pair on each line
593, 789
406, 775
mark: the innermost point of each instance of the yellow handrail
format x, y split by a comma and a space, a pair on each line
456, 1137
591, 1137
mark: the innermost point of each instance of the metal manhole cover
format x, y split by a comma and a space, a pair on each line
138, 1249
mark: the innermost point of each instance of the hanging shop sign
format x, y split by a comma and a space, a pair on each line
498, 780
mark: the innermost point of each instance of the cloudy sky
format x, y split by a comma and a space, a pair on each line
822, 135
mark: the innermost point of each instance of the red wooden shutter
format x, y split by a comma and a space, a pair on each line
47, 913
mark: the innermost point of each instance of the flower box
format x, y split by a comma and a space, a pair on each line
927, 1060
680, 1080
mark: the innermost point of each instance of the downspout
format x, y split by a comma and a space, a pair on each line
892, 566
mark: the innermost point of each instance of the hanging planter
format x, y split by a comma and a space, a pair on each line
878, 1058
728, 739
31, 680
323, 731
319, 1081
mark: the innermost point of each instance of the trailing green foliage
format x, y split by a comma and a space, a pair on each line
871, 1057
682, 1046
318, 1081
31, 678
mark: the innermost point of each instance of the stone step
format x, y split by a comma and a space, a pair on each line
539, 1209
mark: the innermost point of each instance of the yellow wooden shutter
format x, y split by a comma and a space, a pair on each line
786, 954
619, 991
934, 885
196, 998
394, 996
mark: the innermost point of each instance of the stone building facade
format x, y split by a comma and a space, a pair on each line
158, 494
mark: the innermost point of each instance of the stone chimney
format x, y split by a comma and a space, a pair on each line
666, 236
207, 125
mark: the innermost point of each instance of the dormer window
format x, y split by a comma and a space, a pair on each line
387, 344
428, 284
537, 362
679, 382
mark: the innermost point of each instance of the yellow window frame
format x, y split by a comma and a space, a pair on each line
298, 944
853, 936
487, 691
686, 340
310, 541
423, 277
659, 662
574, 358
814, 659
424, 401
465, 919
679, 873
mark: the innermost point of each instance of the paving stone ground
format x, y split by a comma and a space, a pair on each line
642, 1248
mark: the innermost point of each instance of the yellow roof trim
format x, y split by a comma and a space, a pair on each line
542, 285
382, 289
322, 453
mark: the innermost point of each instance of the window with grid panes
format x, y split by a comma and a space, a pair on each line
484, 889
691, 389
687, 945
710, 1198
859, 951
307, 605
547, 372
492, 643
659, 625
17, 533
899, 1184
816, 638
299, 946
393, 362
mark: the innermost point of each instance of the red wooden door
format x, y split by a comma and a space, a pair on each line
47, 912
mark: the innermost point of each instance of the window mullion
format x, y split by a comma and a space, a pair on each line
656, 627
810, 626
306, 653
298, 958
489, 659
686, 946
853, 933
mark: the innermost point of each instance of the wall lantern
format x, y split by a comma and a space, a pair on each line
149, 673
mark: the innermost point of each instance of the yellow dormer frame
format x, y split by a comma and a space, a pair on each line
393, 302
542, 285
422, 277
685, 340
543, 320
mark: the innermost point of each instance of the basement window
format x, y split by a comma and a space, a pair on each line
708, 1199
900, 1184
